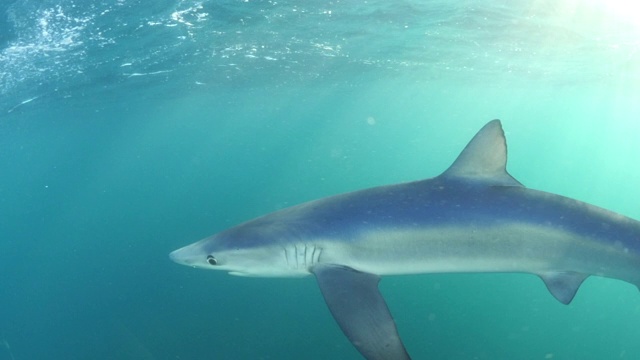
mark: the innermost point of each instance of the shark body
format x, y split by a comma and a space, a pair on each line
474, 217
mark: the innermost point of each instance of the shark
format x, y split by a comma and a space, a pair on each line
474, 217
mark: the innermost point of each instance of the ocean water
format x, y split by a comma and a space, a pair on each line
129, 128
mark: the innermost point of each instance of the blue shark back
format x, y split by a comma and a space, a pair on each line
440, 201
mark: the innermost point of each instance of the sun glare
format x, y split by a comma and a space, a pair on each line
626, 10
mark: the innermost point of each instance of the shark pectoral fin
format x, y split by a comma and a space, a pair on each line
563, 285
358, 307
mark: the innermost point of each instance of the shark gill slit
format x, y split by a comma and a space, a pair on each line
305, 255
313, 255
286, 255
317, 261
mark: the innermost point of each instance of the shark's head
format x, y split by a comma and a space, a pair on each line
211, 253
261, 247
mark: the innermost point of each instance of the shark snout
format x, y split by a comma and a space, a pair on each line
187, 255
175, 256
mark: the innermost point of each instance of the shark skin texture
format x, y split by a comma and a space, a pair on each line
474, 217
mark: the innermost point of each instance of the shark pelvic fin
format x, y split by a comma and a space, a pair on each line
563, 285
484, 158
358, 307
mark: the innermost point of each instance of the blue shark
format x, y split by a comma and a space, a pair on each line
474, 217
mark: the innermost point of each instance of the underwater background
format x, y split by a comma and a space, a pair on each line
129, 128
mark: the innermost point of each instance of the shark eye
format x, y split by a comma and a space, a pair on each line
211, 260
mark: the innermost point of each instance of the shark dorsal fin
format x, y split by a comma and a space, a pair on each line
484, 158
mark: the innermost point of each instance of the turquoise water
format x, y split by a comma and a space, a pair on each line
131, 128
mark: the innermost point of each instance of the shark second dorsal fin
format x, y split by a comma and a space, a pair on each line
484, 158
563, 285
